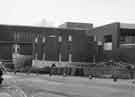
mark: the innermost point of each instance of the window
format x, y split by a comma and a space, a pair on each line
60, 57
60, 39
127, 41
95, 38
43, 39
69, 47
17, 36
70, 57
122, 39
44, 55
36, 56
16, 48
127, 38
108, 38
69, 38
91, 38
36, 40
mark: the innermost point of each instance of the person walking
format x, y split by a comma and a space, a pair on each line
51, 71
131, 69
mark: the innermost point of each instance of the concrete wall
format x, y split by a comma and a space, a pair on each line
21, 61
42, 64
109, 29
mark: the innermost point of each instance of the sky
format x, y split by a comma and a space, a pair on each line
56, 12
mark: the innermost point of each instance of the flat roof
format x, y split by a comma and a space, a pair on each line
127, 26
37, 27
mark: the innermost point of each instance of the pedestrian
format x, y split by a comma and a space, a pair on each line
51, 71
14, 69
65, 72
131, 71
1, 73
115, 75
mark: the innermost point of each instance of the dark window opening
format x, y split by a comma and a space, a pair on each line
91, 38
127, 38
108, 38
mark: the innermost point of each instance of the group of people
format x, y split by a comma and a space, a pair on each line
52, 70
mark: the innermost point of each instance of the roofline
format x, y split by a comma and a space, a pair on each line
107, 24
122, 25
127, 26
31, 26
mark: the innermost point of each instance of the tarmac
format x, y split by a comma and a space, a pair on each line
36, 85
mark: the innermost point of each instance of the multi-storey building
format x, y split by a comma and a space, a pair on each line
117, 40
45, 46
62, 46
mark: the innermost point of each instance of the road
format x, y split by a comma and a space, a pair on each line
32, 85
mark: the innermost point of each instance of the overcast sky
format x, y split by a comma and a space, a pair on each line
98, 12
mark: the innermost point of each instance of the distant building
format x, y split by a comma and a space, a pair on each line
77, 26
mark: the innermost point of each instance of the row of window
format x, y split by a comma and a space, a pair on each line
106, 43
127, 39
59, 39
25, 36
60, 57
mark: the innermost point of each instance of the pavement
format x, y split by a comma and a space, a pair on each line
36, 85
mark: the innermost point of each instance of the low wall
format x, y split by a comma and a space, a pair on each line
42, 64
21, 60
83, 69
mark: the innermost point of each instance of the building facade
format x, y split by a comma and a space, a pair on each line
61, 46
117, 40
16, 44
76, 25
45, 46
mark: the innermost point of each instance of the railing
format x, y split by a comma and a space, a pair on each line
127, 45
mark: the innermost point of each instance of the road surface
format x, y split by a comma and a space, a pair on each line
32, 85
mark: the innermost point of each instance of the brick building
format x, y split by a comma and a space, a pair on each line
45, 45
63, 46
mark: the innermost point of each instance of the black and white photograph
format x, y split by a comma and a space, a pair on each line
67, 48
